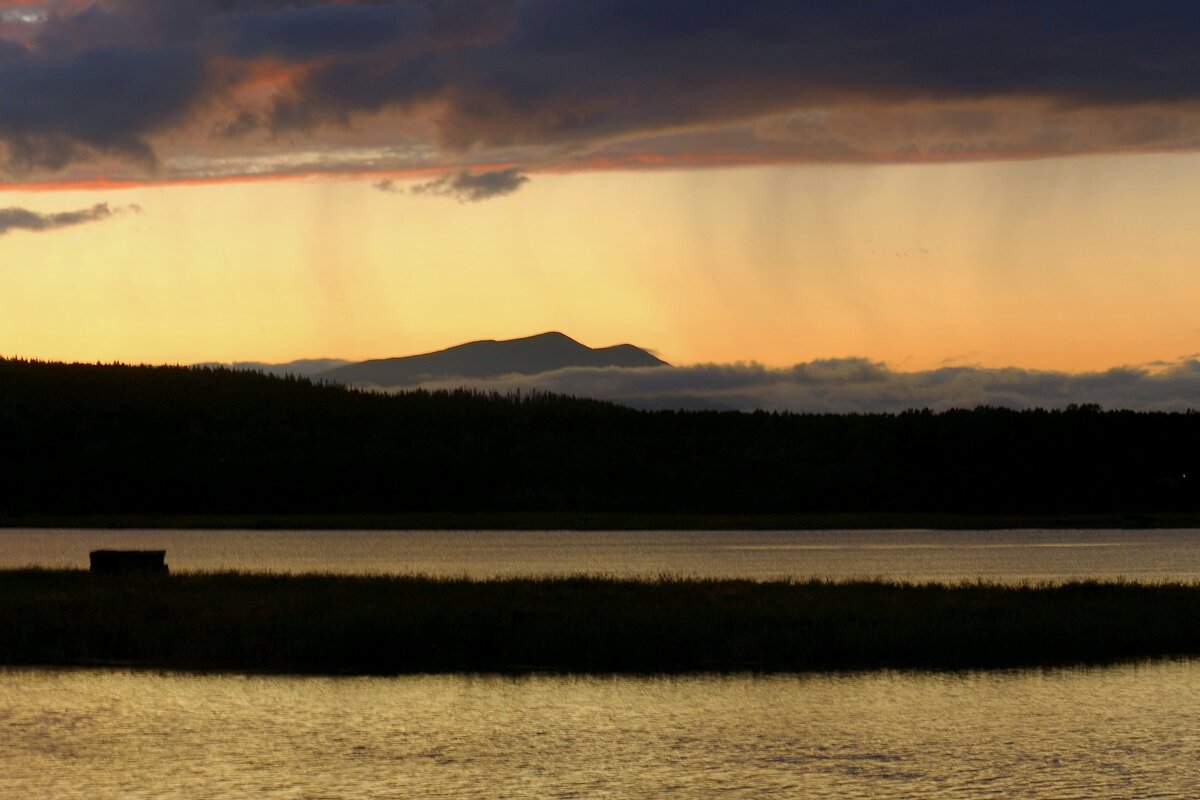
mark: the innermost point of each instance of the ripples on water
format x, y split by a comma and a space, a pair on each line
1149, 555
1092, 733
1121, 732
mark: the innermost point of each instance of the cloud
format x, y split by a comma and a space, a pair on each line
580, 71
401, 30
54, 111
589, 84
22, 219
303, 34
10, 50
464, 186
467, 187
860, 385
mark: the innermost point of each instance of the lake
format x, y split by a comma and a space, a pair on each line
1111, 732
918, 555
1116, 732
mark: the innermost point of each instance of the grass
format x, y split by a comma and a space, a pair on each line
390, 625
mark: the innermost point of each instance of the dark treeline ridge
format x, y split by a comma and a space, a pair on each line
114, 439
391, 625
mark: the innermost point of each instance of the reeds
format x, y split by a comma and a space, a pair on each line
388, 625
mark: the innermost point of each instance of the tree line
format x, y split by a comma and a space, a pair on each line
84, 439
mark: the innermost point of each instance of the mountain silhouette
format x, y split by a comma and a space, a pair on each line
489, 359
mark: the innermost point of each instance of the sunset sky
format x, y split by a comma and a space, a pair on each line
918, 184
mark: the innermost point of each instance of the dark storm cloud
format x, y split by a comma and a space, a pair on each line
859, 385
149, 22
22, 219
305, 34
573, 71
53, 110
350, 30
10, 51
935, 76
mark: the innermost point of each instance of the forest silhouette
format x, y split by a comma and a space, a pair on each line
115, 439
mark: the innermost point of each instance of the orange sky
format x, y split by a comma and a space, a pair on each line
1072, 264
976, 183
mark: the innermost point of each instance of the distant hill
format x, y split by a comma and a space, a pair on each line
489, 359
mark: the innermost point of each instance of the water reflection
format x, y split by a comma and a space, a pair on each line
1096, 733
1148, 555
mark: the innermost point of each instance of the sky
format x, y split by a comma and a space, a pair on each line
915, 186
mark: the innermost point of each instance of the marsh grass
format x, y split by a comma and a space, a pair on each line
409, 624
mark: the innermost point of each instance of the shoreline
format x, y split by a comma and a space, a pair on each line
355, 625
608, 521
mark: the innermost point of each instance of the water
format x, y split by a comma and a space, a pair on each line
1118, 732
1146, 555
1113, 732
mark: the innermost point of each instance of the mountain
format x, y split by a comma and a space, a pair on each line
489, 359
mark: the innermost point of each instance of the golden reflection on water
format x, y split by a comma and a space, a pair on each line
1011, 556
1118, 732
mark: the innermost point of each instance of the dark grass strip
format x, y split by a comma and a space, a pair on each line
392, 625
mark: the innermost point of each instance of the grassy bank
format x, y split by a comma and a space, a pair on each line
337, 624
602, 521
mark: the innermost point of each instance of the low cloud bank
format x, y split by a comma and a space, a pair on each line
859, 385
22, 219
